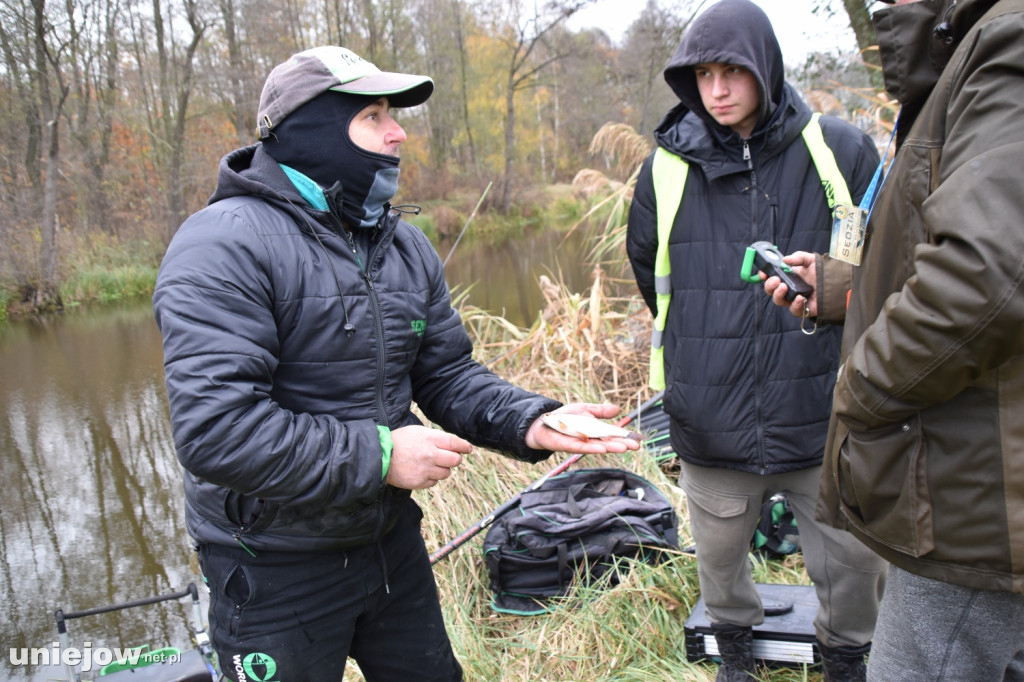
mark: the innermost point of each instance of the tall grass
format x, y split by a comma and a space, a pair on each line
7, 296
100, 268
583, 347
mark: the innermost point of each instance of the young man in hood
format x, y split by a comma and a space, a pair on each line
925, 456
301, 318
747, 390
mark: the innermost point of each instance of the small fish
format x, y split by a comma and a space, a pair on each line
585, 428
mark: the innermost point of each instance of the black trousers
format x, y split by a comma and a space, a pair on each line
294, 616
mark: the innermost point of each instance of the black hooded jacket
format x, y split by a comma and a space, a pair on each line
746, 389
293, 347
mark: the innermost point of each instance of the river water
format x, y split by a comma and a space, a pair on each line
91, 511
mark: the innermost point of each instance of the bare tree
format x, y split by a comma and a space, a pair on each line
21, 131
441, 33
247, 42
243, 117
31, 39
169, 93
458, 14
339, 17
52, 93
522, 34
859, 16
649, 44
93, 68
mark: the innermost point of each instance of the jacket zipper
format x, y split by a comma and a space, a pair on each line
379, 326
379, 392
238, 538
758, 321
375, 306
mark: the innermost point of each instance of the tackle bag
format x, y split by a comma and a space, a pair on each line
776, 534
577, 526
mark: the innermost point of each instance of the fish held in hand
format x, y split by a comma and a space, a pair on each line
585, 427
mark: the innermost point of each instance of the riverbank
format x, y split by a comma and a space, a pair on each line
102, 268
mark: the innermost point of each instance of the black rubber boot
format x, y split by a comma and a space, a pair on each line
736, 647
843, 663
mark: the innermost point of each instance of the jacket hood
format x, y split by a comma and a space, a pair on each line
729, 32
916, 40
250, 171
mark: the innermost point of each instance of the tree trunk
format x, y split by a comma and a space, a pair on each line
47, 296
464, 73
510, 144
867, 39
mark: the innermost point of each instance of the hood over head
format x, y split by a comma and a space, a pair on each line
916, 40
729, 32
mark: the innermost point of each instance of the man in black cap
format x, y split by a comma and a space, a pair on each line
301, 318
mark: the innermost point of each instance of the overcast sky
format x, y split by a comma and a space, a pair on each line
799, 31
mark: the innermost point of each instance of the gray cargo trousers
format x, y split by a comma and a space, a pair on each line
724, 506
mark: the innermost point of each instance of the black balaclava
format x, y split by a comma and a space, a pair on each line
314, 141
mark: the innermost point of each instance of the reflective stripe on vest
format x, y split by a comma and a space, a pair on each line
832, 180
669, 177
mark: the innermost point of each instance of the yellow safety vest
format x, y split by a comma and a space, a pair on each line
669, 173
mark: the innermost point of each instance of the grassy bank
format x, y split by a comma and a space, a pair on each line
101, 267
98, 268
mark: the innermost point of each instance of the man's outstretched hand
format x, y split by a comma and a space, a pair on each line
543, 437
422, 456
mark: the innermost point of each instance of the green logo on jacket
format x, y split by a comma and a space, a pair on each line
419, 326
255, 667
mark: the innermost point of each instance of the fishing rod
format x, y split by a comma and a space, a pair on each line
466, 226
505, 508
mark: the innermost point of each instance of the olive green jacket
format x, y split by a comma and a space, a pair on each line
925, 456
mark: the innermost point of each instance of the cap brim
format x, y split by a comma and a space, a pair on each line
401, 89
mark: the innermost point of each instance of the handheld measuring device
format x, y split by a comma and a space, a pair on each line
764, 256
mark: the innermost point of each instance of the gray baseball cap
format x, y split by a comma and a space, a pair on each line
313, 72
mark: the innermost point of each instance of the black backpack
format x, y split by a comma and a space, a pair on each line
575, 525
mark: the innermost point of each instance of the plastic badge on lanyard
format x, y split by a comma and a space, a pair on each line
850, 222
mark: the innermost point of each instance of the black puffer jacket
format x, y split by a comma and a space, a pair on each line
282, 417
745, 388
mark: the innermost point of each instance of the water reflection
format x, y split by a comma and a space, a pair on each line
92, 511
503, 280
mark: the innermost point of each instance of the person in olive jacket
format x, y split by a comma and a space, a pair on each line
301, 318
925, 458
746, 389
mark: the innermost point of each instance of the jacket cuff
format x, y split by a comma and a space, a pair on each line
386, 446
524, 453
834, 281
